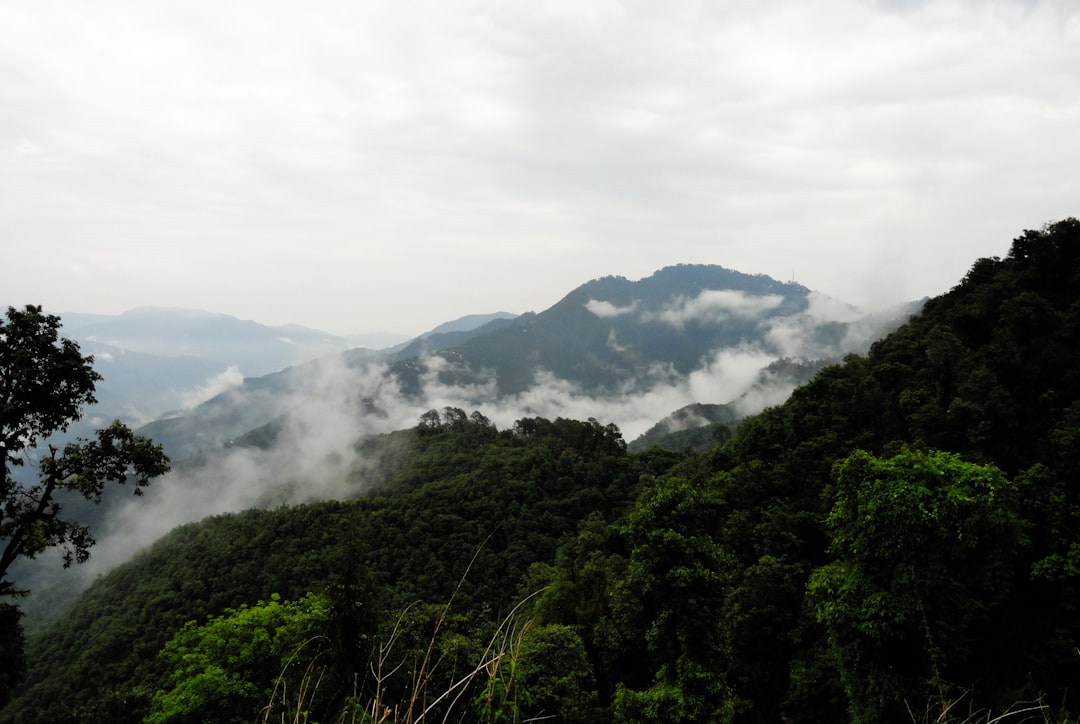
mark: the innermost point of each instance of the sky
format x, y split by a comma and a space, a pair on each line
360, 166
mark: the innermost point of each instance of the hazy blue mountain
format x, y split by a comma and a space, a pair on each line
158, 361
255, 349
452, 334
138, 386
468, 323
226, 416
377, 340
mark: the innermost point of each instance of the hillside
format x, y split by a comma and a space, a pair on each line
443, 493
898, 539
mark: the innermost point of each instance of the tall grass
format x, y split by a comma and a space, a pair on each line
952, 711
372, 700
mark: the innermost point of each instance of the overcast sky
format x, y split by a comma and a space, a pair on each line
366, 166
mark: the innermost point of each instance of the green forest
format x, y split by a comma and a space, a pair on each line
898, 542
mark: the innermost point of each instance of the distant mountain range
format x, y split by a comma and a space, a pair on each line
698, 334
255, 349
162, 361
687, 334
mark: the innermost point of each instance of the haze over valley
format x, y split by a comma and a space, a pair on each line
623, 352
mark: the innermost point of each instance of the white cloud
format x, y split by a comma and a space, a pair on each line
613, 343
606, 310
227, 379
716, 305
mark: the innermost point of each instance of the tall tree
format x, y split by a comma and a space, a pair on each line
45, 382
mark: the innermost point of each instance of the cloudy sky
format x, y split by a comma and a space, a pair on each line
363, 166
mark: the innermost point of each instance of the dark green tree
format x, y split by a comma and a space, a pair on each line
45, 382
673, 593
12, 651
924, 546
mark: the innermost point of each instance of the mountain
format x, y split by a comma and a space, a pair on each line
377, 340
257, 401
157, 362
612, 332
896, 540
451, 334
615, 336
686, 334
700, 426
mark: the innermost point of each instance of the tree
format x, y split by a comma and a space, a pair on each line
678, 577
45, 382
247, 661
924, 545
556, 674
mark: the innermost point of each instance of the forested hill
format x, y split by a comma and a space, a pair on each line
899, 541
461, 511
613, 332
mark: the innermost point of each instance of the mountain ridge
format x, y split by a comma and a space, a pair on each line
684, 325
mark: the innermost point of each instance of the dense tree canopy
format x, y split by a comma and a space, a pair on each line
901, 534
461, 515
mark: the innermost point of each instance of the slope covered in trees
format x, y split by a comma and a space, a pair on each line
456, 492
833, 562
900, 540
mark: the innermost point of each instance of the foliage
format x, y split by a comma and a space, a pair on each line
44, 384
673, 591
223, 670
44, 381
556, 674
924, 546
12, 651
820, 583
